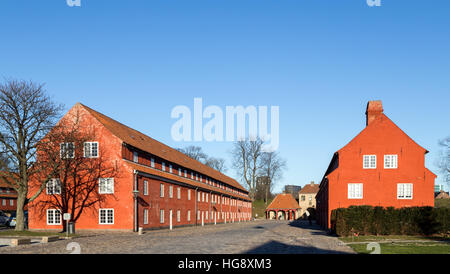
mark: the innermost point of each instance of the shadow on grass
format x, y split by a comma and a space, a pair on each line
275, 247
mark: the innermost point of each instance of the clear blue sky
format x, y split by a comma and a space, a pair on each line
320, 61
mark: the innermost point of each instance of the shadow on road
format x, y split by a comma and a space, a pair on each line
275, 247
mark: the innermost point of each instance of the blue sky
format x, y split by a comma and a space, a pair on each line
319, 61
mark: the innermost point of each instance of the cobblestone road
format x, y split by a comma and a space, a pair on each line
257, 237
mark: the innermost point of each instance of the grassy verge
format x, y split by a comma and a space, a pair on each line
400, 244
442, 203
27, 233
259, 207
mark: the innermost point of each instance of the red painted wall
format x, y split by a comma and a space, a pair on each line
381, 137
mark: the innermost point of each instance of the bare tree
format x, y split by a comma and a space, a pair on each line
80, 170
246, 156
444, 161
196, 153
216, 163
271, 167
26, 114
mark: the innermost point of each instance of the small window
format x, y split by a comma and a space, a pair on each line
192, 175
178, 193
370, 161
189, 194
3, 202
404, 191
145, 216
161, 190
203, 196
189, 215
161, 216
199, 196
54, 187
390, 161
135, 156
106, 216
179, 171
91, 149
11, 202
145, 187
303, 197
106, 186
170, 168
178, 215
170, 191
185, 173
53, 217
152, 162
355, 191
163, 166
67, 150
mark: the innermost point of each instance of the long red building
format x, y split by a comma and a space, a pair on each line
156, 187
381, 166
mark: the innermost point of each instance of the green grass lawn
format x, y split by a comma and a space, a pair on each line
27, 233
414, 244
259, 207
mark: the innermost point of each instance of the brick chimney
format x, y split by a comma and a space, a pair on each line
374, 110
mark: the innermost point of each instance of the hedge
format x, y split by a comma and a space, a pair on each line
368, 220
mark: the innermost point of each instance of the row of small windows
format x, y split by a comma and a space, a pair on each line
390, 161
184, 173
6, 190
105, 216
105, 186
90, 150
404, 191
4, 202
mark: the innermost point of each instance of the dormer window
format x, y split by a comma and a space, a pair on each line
135, 157
163, 166
152, 162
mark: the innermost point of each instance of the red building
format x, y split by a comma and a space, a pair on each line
8, 198
171, 189
283, 207
381, 166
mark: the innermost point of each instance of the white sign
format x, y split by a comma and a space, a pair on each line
66, 216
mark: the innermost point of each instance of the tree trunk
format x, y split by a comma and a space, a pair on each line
20, 216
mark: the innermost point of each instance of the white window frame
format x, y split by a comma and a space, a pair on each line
178, 193
161, 216
189, 194
53, 187
368, 160
355, 191
189, 215
402, 188
107, 211
11, 202
145, 187
178, 215
163, 166
106, 186
152, 162
87, 152
391, 161
170, 191
145, 216
170, 168
179, 171
64, 151
135, 157
53, 212
161, 190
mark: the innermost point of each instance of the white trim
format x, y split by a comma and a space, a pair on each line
401, 189
355, 191
370, 158
90, 150
54, 216
392, 160
106, 216
108, 188
145, 221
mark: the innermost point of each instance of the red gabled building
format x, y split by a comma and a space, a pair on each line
8, 197
381, 166
171, 189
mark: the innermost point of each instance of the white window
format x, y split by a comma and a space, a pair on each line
189, 194
91, 149
170, 168
11, 202
198, 215
152, 162
185, 173
179, 171
67, 150
203, 196
135, 157
201, 179
53, 217
178, 193
106, 186
390, 161
3, 202
192, 175
161, 216
145, 187
106, 216
170, 191
207, 197
370, 161
163, 166
404, 191
199, 196
355, 191
145, 216
178, 215
53, 186
161, 190
189, 215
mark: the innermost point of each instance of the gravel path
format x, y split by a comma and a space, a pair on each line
257, 237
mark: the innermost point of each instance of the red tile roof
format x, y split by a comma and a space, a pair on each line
150, 145
284, 201
310, 188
